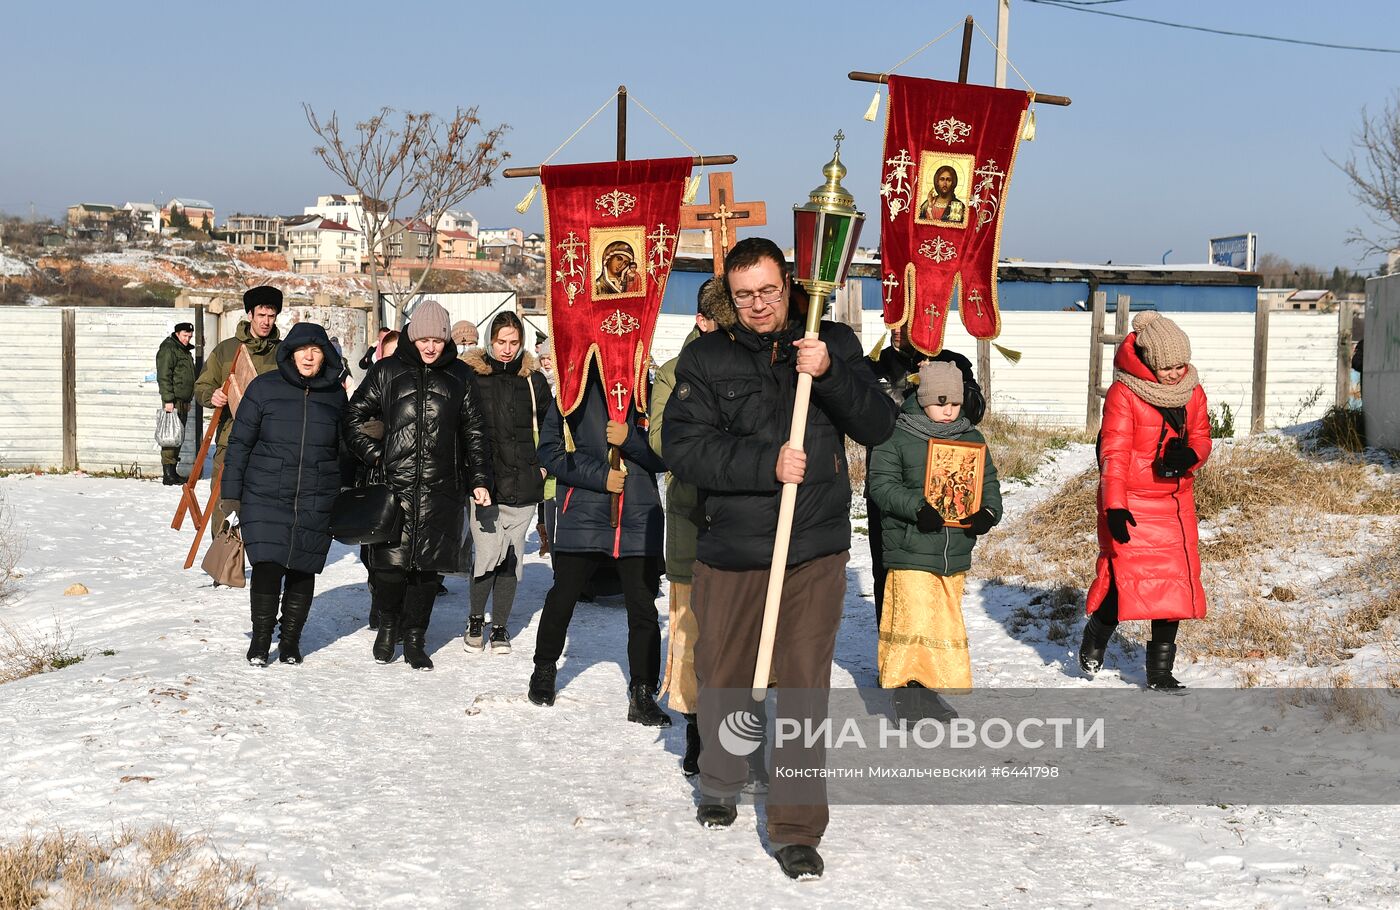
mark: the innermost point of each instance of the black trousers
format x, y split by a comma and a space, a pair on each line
389, 587
571, 573
1163, 630
268, 578
877, 555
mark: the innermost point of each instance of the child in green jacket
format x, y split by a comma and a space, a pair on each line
923, 642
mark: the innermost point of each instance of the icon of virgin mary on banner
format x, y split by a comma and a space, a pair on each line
610, 230
949, 151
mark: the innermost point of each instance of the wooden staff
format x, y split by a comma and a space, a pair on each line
787, 505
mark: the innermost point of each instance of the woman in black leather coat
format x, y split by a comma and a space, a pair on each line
416, 422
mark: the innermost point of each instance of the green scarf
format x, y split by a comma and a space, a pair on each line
918, 424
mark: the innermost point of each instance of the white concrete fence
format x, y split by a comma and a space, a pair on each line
110, 392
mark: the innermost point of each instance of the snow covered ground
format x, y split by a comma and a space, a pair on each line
356, 785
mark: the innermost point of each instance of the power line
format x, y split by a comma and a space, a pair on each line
1083, 7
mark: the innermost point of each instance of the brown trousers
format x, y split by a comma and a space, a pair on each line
728, 607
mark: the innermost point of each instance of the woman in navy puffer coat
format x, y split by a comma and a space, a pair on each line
281, 475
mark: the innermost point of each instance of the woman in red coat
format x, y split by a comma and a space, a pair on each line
1155, 435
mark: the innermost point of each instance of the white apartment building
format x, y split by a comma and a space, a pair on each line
347, 209
324, 247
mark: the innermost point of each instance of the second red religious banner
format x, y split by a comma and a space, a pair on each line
610, 229
949, 151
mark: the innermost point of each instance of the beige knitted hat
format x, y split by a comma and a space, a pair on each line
429, 320
940, 383
463, 333
1161, 341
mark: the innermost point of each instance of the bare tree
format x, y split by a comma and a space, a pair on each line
410, 172
1374, 171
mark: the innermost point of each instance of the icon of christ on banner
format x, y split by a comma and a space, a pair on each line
948, 155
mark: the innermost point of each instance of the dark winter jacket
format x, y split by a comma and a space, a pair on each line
262, 353
682, 499
897, 486
512, 415
1158, 571
435, 451
283, 463
896, 368
730, 414
585, 505
175, 371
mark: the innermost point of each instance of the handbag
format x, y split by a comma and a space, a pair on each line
170, 429
224, 560
367, 514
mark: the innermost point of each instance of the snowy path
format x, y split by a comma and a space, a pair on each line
355, 785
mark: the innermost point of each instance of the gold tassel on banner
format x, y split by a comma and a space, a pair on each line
1012, 357
691, 189
1028, 133
524, 204
568, 437
874, 108
879, 346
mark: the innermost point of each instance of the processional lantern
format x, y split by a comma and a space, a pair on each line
825, 231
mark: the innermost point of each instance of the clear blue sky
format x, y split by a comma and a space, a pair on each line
1173, 137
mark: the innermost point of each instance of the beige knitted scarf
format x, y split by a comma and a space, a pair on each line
1159, 395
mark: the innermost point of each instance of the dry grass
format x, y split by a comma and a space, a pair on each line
155, 868
9, 552
1249, 494
1019, 447
25, 654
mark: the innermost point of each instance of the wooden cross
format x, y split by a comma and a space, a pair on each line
717, 216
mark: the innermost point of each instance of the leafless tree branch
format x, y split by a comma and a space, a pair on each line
1373, 169
416, 170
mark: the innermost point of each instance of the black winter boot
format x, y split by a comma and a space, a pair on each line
642, 707
690, 763
417, 609
386, 642
171, 477
373, 617
800, 861
542, 685
295, 609
1160, 657
1094, 644
264, 610
717, 811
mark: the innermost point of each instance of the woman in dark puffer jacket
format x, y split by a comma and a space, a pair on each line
416, 420
281, 474
514, 399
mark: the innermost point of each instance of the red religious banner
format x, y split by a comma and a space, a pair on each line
610, 229
949, 150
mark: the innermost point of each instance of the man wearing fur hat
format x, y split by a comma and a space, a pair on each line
175, 377
726, 430
257, 333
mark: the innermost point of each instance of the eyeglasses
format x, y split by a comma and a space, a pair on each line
745, 299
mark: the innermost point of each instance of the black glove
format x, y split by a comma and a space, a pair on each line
980, 522
929, 520
1118, 521
1179, 456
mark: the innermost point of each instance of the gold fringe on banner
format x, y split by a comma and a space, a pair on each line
691, 189
524, 205
874, 108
